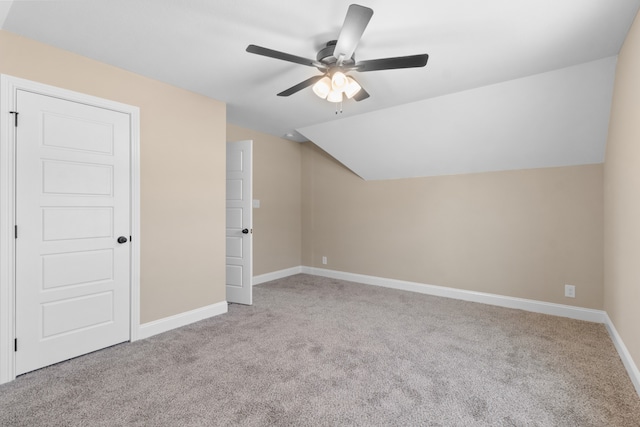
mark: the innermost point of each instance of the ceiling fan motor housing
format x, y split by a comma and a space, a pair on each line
325, 56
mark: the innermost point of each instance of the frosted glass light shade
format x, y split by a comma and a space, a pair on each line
334, 96
352, 88
322, 87
339, 81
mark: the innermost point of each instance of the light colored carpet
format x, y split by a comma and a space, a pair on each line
323, 352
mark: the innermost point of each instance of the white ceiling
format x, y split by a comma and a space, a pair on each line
200, 45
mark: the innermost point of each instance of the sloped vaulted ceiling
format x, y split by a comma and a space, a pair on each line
558, 118
509, 84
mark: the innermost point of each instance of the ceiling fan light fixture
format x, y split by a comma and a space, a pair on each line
334, 96
352, 88
322, 87
339, 81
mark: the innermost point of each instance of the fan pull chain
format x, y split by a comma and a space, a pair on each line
340, 108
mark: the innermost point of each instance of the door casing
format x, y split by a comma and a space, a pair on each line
9, 86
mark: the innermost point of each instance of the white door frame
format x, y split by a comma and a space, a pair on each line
9, 87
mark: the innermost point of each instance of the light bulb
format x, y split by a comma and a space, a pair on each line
334, 96
352, 88
322, 87
339, 81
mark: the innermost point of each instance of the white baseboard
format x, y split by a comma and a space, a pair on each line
572, 312
150, 329
275, 275
627, 360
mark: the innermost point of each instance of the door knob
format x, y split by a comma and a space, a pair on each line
245, 231
122, 239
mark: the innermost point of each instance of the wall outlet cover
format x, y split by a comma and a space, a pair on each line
569, 291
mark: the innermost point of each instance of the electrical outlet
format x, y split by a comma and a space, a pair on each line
324, 260
569, 291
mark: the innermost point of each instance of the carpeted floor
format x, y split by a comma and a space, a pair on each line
322, 352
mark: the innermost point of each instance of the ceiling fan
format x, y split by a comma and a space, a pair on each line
337, 58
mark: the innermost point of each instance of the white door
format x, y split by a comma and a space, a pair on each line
239, 222
72, 204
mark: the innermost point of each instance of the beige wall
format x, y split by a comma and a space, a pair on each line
277, 237
519, 233
622, 198
182, 172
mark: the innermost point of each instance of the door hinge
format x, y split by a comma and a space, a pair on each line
15, 344
15, 117
15, 231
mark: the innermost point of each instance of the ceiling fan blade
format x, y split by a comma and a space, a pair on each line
353, 27
258, 50
361, 95
300, 86
412, 61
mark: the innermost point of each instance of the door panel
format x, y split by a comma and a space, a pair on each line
76, 223
60, 270
77, 133
76, 178
73, 314
72, 203
239, 217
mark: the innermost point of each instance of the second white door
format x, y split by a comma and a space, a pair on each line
239, 222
